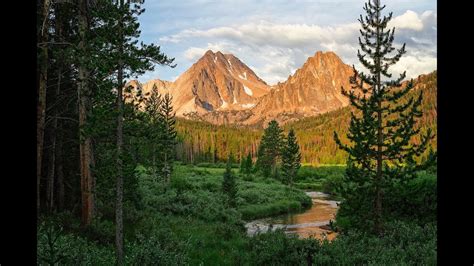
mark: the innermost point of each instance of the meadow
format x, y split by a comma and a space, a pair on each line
187, 223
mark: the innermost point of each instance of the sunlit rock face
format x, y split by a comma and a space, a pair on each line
220, 89
315, 88
216, 82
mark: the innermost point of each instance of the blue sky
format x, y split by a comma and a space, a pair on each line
274, 38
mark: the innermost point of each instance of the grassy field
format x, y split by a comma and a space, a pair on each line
193, 209
257, 198
188, 223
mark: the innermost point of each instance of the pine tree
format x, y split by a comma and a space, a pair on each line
229, 185
168, 138
154, 129
84, 109
381, 151
248, 164
120, 31
43, 37
291, 158
270, 148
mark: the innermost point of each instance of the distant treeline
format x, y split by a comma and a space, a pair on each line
204, 142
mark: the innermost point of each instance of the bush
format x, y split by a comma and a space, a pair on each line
308, 173
270, 209
159, 248
248, 178
331, 183
276, 248
311, 173
60, 248
415, 200
316, 186
403, 244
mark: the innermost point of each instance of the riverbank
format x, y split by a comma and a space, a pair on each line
313, 222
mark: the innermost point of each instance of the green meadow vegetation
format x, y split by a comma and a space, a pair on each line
188, 223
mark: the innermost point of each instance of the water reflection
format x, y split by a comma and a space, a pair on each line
311, 223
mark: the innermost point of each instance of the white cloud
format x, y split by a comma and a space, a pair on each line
415, 65
275, 50
264, 32
409, 20
194, 53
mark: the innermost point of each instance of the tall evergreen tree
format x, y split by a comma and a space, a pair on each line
270, 148
229, 185
154, 129
43, 37
84, 109
168, 140
242, 165
248, 165
291, 158
381, 151
120, 29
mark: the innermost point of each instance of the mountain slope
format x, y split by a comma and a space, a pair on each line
220, 89
204, 142
315, 88
216, 82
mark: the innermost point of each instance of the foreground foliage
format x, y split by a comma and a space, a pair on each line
188, 223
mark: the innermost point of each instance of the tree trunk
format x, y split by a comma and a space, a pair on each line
41, 107
60, 171
85, 146
119, 185
379, 174
57, 133
54, 127
52, 156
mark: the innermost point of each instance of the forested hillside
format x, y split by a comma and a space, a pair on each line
204, 142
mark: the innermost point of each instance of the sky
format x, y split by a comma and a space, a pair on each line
274, 37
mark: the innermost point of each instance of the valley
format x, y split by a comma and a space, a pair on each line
250, 141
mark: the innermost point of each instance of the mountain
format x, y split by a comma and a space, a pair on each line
206, 142
315, 88
216, 82
222, 90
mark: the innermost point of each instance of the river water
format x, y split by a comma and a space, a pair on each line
310, 223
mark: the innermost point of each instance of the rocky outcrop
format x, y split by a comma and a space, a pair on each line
220, 89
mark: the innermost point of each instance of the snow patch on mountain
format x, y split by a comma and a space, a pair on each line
244, 76
248, 105
224, 104
248, 91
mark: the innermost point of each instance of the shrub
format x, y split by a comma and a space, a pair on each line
403, 244
331, 183
159, 248
55, 247
415, 200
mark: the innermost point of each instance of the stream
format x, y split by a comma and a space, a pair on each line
313, 222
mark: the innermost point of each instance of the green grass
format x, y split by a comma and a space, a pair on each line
193, 210
255, 199
323, 178
315, 185
188, 223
